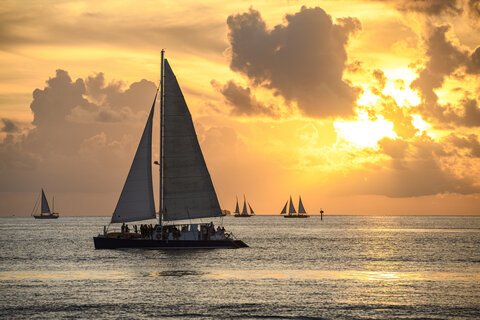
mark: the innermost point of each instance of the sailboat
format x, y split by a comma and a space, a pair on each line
186, 189
244, 213
292, 213
45, 212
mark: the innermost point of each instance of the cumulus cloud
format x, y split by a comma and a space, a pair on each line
302, 60
445, 58
243, 101
82, 131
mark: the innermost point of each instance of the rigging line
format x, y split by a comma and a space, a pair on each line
35, 206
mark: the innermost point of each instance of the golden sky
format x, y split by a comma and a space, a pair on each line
361, 107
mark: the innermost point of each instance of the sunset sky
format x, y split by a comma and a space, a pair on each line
360, 107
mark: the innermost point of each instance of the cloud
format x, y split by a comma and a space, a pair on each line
430, 7
9, 126
302, 60
52, 25
445, 58
474, 8
474, 63
242, 100
415, 167
470, 143
83, 131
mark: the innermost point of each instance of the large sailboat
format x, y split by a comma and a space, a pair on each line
186, 190
292, 213
244, 213
45, 212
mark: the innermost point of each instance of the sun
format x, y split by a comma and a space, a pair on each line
364, 132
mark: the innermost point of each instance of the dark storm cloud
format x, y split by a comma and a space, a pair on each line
302, 60
242, 100
9, 126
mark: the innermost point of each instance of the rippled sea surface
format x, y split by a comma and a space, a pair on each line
340, 268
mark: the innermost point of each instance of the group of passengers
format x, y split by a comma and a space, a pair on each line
207, 231
146, 230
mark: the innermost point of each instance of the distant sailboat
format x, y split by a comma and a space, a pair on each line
45, 212
186, 189
292, 213
244, 213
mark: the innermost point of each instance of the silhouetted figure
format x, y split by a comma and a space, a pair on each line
321, 214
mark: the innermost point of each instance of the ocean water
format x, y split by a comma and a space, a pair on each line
344, 267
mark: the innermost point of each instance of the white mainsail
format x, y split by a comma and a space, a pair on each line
45, 206
136, 200
301, 209
291, 208
188, 190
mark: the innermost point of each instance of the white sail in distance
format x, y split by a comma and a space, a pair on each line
251, 210
301, 209
244, 210
45, 206
291, 208
136, 200
237, 209
188, 190
284, 210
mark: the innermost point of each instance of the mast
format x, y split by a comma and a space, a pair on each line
162, 128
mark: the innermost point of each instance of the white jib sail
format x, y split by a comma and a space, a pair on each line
136, 200
188, 190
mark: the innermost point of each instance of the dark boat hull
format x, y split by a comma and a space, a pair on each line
46, 217
297, 216
116, 243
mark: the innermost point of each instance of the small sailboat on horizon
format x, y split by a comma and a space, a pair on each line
186, 192
244, 213
45, 212
292, 213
